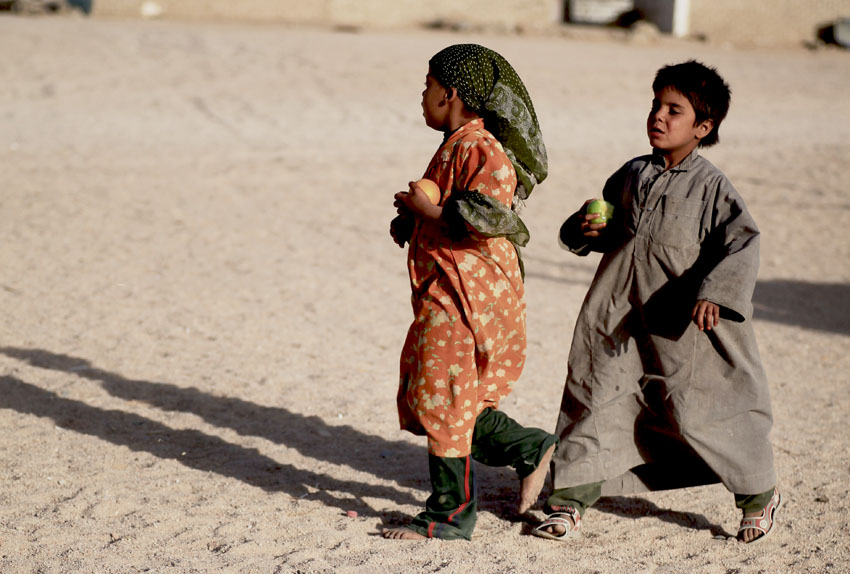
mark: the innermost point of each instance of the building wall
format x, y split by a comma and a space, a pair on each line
764, 22
758, 22
371, 13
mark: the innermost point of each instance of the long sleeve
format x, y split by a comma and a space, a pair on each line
735, 237
570, 236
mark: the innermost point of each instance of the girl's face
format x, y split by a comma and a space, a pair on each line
671, 125
435, 106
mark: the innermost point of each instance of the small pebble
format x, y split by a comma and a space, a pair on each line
351, 514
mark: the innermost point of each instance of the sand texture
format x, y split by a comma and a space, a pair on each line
203, 310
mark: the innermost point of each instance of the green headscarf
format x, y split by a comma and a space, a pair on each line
490, 87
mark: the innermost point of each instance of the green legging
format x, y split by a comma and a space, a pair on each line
583, 497
450, 511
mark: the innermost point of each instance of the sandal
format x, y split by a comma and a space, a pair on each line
764, 522
568, 518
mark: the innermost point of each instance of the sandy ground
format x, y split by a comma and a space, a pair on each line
203, 310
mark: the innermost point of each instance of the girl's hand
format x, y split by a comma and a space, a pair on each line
589, 229
706, 315
401, 229
399, 204
416, 201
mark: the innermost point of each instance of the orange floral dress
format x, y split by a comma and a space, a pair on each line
466, 346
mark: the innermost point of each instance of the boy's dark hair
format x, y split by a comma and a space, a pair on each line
703, 87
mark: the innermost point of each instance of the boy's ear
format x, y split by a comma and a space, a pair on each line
704, 128
451, 94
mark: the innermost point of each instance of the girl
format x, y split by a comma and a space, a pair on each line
466, 346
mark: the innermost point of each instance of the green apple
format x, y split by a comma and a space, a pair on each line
603, 208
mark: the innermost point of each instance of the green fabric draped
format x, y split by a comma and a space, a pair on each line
488, 85
488, 216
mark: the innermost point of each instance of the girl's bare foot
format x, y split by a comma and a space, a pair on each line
401, 533
531, 485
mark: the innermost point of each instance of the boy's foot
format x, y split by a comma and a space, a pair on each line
401, 533
758, 525
560, 525
531, 485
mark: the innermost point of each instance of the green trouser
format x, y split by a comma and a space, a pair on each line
583, 497
497, 440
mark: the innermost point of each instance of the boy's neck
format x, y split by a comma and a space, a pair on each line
675, 157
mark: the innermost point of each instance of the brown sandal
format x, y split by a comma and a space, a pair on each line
764, 522
567, 517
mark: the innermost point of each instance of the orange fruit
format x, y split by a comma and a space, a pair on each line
431, 189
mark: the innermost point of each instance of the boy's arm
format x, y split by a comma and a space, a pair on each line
735, 237
570, 237
581, 237
573, 233
706, 315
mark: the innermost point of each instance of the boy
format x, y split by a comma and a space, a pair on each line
665, 387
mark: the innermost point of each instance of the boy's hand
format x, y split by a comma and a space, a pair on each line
706, 315
589, 229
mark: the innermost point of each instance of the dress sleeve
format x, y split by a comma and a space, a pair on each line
481, 201
734, 241
482, 195
482, 166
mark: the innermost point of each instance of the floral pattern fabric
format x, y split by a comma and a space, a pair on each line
466, 346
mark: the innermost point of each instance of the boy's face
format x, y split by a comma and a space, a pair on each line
671, 125
434, 104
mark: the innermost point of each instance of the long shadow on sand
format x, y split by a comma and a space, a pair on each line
309, 435
816, 306
554, 270
636, 507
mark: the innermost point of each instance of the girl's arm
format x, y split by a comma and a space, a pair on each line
409, 205
480, 202
416, 202
401, 229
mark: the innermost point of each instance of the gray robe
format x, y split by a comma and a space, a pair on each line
651, 402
